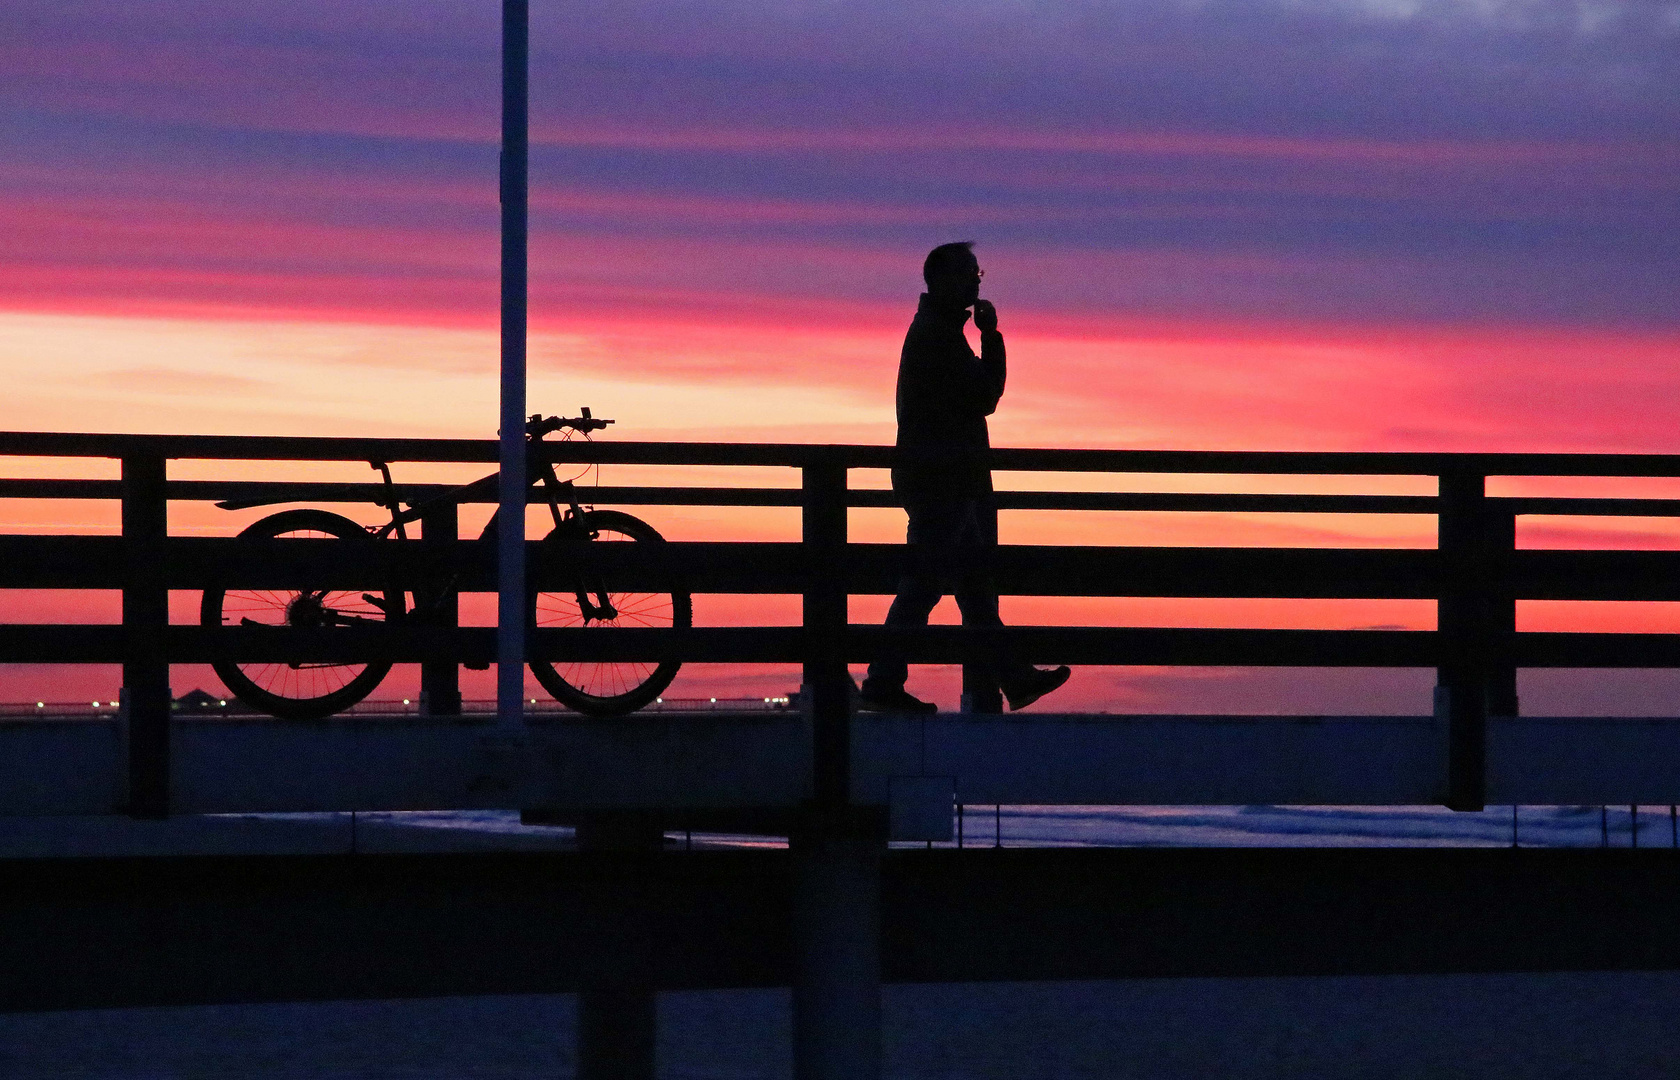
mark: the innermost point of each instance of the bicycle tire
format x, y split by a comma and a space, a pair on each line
277, 688
609, 688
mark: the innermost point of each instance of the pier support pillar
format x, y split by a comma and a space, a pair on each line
618, 1022
617, 1033
837, 946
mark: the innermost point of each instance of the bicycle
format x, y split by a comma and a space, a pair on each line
306, 691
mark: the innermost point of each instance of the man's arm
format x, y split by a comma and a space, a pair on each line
994, 370
940, 379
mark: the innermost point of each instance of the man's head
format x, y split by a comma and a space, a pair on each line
953, 274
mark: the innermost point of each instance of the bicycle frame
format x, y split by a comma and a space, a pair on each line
594, 603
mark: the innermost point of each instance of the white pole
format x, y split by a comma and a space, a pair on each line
510, 547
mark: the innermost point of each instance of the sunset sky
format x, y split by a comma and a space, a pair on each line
1256, 224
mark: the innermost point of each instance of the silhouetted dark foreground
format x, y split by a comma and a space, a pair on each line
1553, 1026
84, 933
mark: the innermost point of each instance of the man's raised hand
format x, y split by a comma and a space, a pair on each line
985, 315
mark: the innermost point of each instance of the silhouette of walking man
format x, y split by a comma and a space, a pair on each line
945, 393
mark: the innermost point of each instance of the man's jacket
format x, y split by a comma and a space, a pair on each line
945, 393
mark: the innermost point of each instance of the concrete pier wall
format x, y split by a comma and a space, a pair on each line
718, 761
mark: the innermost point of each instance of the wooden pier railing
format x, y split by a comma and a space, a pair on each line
1476, 575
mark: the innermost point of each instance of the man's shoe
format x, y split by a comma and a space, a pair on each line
1034, 686
892, 700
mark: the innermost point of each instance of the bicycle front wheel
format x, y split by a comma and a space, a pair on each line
606, 687
300, 690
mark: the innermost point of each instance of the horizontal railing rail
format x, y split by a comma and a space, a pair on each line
261, 492
45, 643
1475, 573
850, 456
39, 561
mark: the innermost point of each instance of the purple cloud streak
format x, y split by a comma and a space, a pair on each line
1336, 161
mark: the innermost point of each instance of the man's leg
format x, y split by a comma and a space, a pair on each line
977, 596
929, 537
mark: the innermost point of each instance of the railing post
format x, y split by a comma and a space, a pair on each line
1466, 678
1500, 553
146, 697
827, 683
440, 680
836, 847
980, 693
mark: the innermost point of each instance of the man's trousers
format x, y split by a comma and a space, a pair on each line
948, 538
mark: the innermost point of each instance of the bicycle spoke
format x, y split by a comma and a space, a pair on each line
307, 688
606, 687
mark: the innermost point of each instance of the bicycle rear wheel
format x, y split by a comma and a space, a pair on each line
607, 687
298, 690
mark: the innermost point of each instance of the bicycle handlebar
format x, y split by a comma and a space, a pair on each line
540, 425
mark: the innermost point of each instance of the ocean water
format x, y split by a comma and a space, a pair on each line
1593, 1026
1323, 826
979, 825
